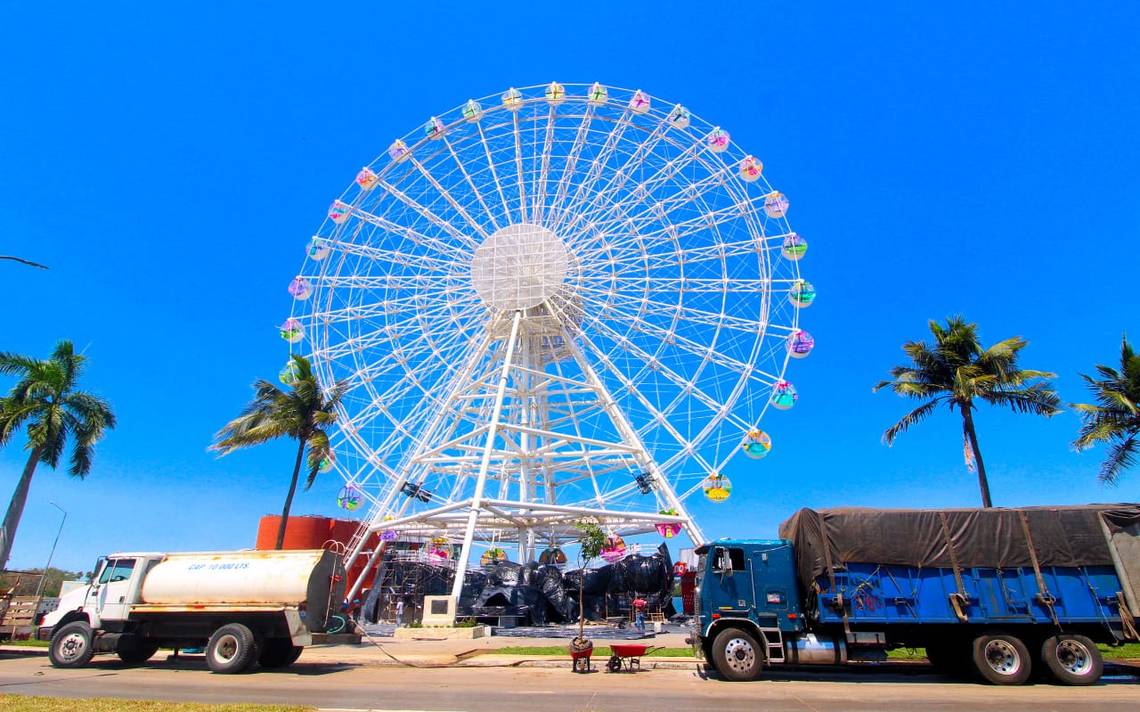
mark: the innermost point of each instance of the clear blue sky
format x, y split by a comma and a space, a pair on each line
169, 165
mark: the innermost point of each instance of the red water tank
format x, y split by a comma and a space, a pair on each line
300, 533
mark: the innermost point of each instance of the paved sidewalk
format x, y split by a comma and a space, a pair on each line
428, 652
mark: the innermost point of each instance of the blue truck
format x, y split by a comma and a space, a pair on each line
989, 593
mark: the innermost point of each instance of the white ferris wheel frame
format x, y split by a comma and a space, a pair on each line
491, 426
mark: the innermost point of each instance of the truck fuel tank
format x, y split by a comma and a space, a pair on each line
812, 649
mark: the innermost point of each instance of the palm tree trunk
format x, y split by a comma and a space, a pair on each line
16, 506
972, 439
289, 498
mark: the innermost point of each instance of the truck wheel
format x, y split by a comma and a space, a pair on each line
1072, 659
737, 655
232, 648
279, 653
71, 646
133, 652
1001, 659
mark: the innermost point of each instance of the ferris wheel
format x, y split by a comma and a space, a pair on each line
564, 301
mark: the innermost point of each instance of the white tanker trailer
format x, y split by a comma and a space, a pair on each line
245, 607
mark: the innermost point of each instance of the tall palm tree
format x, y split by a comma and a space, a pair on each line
302, 413
1116, 417
956, 371
46, 399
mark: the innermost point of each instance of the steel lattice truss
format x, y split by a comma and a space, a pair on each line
565, 301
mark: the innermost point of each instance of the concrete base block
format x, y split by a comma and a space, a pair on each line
443, 633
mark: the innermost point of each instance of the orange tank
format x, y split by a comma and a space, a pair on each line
300, 533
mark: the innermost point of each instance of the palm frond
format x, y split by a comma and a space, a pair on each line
904, 423
1121, 456
1037, 399
319, 449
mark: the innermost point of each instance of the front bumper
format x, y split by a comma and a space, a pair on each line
44, 632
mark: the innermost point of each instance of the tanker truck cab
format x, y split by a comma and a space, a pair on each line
747, 604
246, 608
106, 600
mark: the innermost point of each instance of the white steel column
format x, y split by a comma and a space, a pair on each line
481, 480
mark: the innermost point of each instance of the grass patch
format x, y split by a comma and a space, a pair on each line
28, 703
30, 643
599, 651
1131, 651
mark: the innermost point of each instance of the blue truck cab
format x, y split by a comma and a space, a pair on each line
748, 609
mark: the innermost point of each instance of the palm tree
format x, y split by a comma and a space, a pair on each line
301, 414
46, 400
956, 371
1115, 418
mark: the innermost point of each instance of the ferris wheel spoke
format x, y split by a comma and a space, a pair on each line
622, 174
717, 173
621, 217
519, 168
448, 197
544, 172
671, 337
597, 167
628, 384
471, 183
428, 215
571, 161
494, 173
381, 254
657, 366
416, 237
627, 305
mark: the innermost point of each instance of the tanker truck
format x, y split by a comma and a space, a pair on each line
245, 607
989, 593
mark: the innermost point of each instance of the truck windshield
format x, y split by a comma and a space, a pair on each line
117, 570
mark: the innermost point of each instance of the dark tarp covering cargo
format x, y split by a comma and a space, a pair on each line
1088, 535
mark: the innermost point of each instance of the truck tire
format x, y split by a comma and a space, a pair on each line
278, 653
72, 645
1001, 659
1072, 659
736, 655
133, 651
232, 649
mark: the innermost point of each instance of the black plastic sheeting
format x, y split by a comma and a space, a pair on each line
536, 594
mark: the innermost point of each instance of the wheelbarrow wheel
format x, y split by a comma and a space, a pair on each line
614, 664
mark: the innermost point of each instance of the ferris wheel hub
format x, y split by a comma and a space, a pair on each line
519, 266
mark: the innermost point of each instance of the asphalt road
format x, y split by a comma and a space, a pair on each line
548, 690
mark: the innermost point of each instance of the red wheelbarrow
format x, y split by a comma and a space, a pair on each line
627, 656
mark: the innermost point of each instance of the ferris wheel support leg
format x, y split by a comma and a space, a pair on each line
629, 435
359, 582
485, 464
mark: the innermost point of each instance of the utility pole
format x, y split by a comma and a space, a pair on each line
51, 554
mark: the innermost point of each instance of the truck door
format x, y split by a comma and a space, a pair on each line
732, 577
114, 588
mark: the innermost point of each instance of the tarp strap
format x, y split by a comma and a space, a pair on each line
959, 600
1043, 594
1127, 622
839, 598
